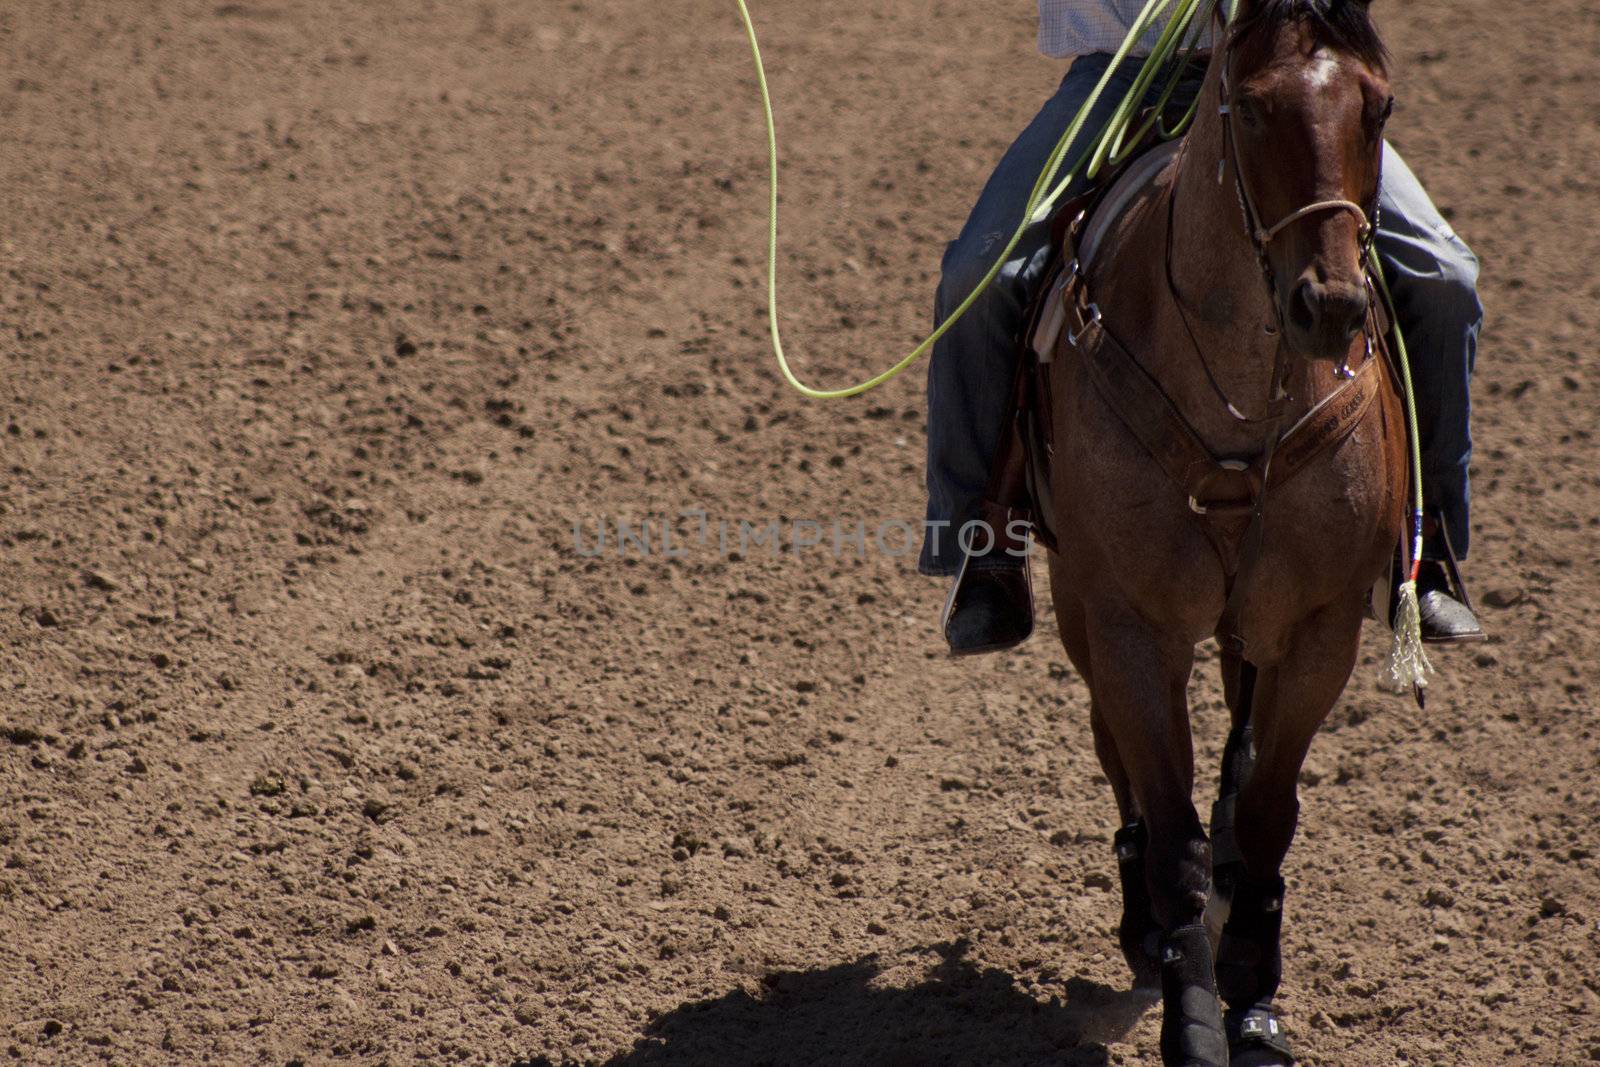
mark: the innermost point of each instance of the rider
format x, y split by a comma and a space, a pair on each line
1431, 271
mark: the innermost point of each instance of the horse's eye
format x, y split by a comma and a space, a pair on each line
1381, 116
1249, 113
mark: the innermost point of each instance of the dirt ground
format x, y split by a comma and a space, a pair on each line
323, 324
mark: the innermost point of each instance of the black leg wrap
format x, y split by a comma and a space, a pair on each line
1249, 960
1238, 760
1191, 1022
1139, 934
1256, 1039
1226, 858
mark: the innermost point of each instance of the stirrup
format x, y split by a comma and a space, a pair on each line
966, 572
1455, 586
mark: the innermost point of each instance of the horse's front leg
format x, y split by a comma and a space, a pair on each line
1292, 698
1138, 934
1140, 677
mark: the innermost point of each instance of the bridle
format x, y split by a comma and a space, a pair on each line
1261, 236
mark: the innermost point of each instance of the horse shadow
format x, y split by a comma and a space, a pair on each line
959, 1014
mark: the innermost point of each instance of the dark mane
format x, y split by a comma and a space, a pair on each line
1345, 25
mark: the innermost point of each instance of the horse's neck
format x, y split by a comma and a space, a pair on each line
1214, 267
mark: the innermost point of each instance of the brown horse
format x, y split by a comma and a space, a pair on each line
1165, 540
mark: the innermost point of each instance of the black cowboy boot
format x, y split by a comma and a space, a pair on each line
990, 610
1447, 615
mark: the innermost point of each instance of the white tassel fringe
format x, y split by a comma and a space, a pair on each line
1408, 665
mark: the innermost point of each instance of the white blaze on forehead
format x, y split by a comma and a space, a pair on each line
1321, 73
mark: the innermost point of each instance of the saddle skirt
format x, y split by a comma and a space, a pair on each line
1100, 211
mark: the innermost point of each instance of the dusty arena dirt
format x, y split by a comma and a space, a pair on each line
322, 324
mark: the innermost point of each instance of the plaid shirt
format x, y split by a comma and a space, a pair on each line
1078, 27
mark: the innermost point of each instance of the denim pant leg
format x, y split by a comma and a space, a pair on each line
973, 366
1434, 276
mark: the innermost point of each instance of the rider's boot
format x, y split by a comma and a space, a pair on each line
1447, 615
990, 609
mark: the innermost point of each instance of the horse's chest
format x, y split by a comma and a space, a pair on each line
1324, 532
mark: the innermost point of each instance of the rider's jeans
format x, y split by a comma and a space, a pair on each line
1431, 272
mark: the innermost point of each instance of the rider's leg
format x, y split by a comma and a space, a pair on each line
1433, 276
970, 373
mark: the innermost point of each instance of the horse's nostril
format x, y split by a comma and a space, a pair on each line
1346, 309
1303, 308
1331, 310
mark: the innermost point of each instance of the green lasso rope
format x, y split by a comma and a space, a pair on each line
1109, 146
1106, 147
1407, 668
1403, 357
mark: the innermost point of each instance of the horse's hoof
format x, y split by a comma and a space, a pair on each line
1256, 1038
1191, 1019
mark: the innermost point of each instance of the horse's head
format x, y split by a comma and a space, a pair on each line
1306, 96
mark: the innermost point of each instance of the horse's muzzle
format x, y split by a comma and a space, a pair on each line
1325, 317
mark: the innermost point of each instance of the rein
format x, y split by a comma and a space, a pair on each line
1183, 317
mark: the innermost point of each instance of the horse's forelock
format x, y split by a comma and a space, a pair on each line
1345, 25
